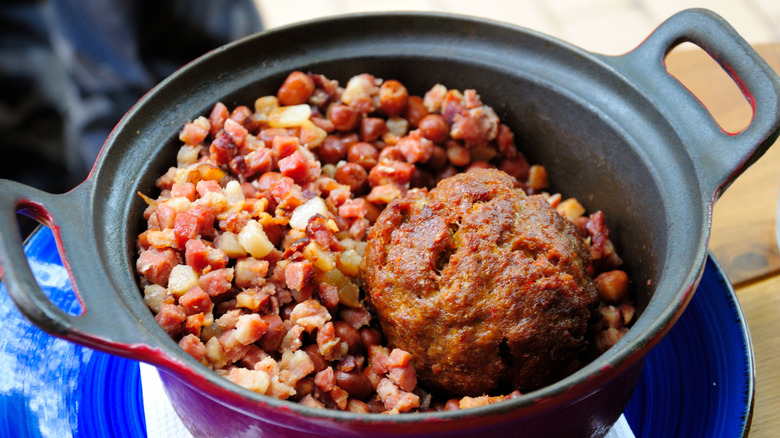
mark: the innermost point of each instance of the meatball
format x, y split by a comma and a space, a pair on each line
485, 286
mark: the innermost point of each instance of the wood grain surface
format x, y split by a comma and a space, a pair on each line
743, 226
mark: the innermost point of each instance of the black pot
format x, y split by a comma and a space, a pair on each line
619, 133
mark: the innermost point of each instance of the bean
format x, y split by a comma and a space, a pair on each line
612, 286
350, 335
304, 387
352, 175
393, 97
438, 160
434, 128
415, 110
274, 336
364, 154
458, 155
296, 89
332, 150
344, 118
355, 383
392, 153
421, 178
371, 128
319, 362
478, 165
370, 336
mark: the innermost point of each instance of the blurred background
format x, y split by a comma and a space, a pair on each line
70, 70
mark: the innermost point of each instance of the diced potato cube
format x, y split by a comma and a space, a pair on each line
233, 192
153, 296
349, 262
289, 116
187, 155
182, 279
571, 209
228, 243
264, 106
254, 240
301, 215
349, 294
322, 259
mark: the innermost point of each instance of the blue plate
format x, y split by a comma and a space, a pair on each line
697, 382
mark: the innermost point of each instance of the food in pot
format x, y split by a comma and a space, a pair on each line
483, 285
252, 250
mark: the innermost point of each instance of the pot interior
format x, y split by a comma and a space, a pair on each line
599, 139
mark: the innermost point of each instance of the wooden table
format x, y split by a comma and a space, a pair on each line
743, 227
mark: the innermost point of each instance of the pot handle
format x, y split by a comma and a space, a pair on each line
105, 322
719, 157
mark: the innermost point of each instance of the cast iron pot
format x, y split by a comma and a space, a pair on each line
619, 133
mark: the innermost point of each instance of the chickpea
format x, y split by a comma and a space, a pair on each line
332, 150
393, 97
434, 128
344, 118
296, 89
352, 175
415, 110
364, 154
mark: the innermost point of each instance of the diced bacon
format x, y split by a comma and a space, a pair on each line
298, 365
196, 254
223, 148
358, 228
292, 339
330, 346
170, 318
318, 228
356, 317
340, 397
233, 348
354, 208
197, 221
329, 295
193, 133
253, 299
611, 317
415, 148
250, 328
379, 358
395, 399
325, 379
477, 126
295, 166
284, 145
165, 215
257, 381
229, 319
193, 346
259, 161
339, 195
251, 272
156, 264
216, 282
194, 323
286, 193
207, 186
310, 314
253, 356
195, 301
243, 115
184, 190
217, 118
299, 277
312, 402
236, 131
405, 377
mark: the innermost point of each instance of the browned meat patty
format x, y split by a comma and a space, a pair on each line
483, 285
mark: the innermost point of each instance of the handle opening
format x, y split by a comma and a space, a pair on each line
698, 72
